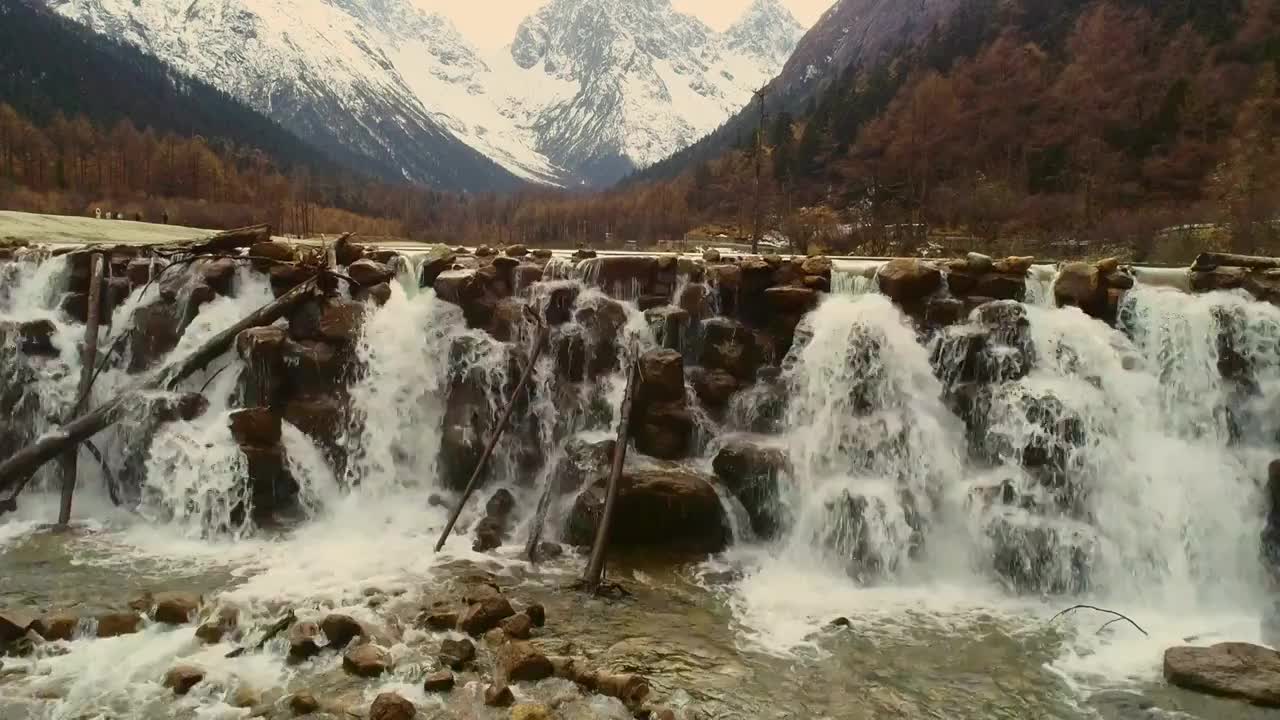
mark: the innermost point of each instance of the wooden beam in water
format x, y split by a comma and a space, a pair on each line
595, 569
88, 359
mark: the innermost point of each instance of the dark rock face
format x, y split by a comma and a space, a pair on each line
661, 422
493, 528
655, 508
752, 472
1236, 670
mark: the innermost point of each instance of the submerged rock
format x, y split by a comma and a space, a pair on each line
438, 682
659, 507
456, 654
751, 471
485, 615
1236, 670
176, 608
519, 661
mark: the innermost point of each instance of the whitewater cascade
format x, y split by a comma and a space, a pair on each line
1026, 451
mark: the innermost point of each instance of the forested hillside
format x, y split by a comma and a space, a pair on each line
1035, 120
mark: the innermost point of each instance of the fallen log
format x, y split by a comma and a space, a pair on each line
631, 689
595, 569
1209, 261
27, 461
544, 334
276, 628
88, 359
222, 242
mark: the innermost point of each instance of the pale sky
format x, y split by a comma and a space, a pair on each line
492, 23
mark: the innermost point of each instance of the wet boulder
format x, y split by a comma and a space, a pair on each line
670, 325
752, 471
304, 640
1235, 670
493, 528
498, 694
437, 260
390, 706
908, 281
271, 252
715, 388
153, 331
1037, 555
367, 272
456, 654
790, 299
182, 678
367, 660
519, 661
1080, 285
346, 252
518, 626
15, 623
438, 682
625, 277
341, 321
663, 429
176, 608
658, 507
484, 615
869, 533
255, 426
341, 629
585, 456
114, 624
728, 345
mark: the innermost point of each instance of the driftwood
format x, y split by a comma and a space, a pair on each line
1119, 616
595, 569
631, 689
88, 359
1212, 261
27, 461
544, 334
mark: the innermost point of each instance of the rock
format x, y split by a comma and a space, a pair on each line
526, 711
752, 472
908, 281
244, 697
182, 678
791, 299
979, 263
516, 251
656, 507
438, 260
711, 255
367, 272
485, 615
216, 628
663, 430
114, 624
714, 387
259, 427
537, 614
518, 626
1080, 285
390, 706
366, 661
59, 626
498, 694
347, 252
456, 654
662, 376
380, 294
728, 345
1014, 265
304, 640
817, 265
303, 703
1236, 670
341, 321
176, 608
34, 337
15, 623
440, 621
519, 661
438, 682
340, 630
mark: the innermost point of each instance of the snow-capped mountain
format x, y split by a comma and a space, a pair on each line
587, 90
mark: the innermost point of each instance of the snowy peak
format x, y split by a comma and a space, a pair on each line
587, 91
766, 30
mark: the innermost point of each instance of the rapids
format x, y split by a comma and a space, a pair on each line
1129, 460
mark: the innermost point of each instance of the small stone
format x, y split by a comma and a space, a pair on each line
304, 640
438, 682
456, 654
303, 703
341, 630
390, 706
520, 661
182, 678
176, 608
537, 614
518, 626
498, 695
366, 661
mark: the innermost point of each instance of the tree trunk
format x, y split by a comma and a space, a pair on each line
595, 569
28, 460
88, 360
1212, 261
